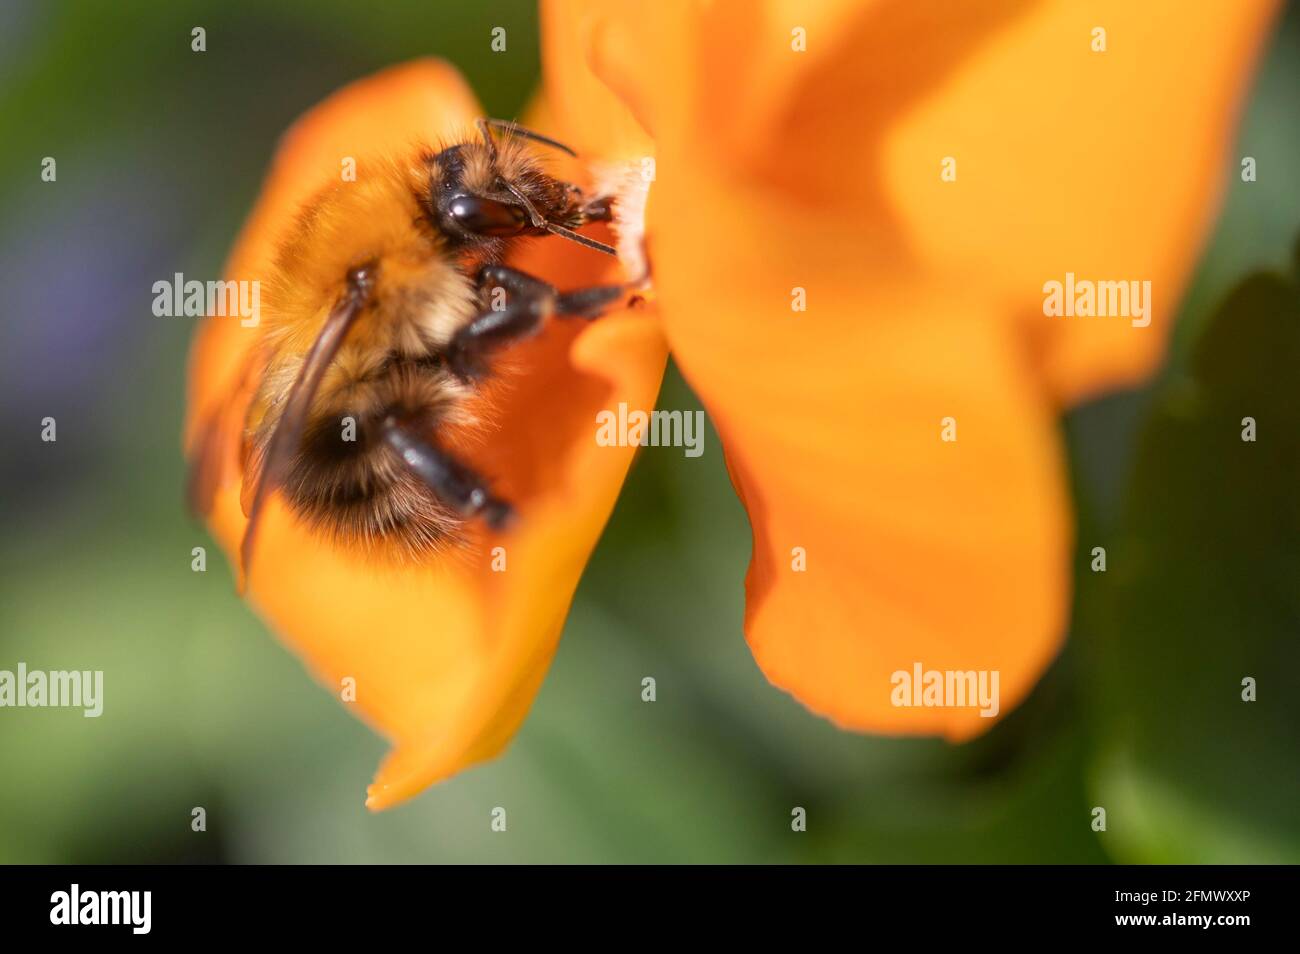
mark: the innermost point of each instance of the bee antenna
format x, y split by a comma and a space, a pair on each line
514, 129
573, 236
541, 222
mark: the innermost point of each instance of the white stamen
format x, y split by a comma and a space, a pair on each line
629, 184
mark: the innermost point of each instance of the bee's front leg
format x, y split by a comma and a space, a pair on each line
525, 306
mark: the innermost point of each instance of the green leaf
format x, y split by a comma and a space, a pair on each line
1202, 593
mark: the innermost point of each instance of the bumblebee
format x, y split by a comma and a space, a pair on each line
386, 303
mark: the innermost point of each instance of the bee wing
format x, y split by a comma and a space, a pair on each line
283, 445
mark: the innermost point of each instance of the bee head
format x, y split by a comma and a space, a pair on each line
483, 192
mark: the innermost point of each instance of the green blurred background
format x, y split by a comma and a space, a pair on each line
160, 152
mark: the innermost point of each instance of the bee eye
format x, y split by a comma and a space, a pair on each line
486, 216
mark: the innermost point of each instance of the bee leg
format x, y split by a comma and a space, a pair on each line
452, 482
543, 298
528, 303
589, 302
520, 315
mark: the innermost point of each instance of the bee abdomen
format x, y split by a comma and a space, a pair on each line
349, 483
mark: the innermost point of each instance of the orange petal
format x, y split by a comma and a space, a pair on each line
578, 38
913, 550
820, 170
446, 658
1105, 164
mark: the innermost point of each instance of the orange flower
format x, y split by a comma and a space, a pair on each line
779, 169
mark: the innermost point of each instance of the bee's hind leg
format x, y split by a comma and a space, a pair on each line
454, 483
528, 303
